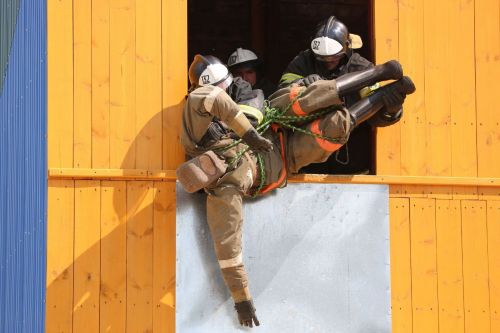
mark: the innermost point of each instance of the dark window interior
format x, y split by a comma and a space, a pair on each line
277, 30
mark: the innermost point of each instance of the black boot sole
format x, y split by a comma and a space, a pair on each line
392, 70
404, 85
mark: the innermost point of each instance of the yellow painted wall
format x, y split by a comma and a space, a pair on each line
444, 239
116, 84
117, 80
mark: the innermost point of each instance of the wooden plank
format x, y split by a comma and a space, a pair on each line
100, 83
437, 86
487, 56
400, 265
465, 192
139, 256
423, 265
122, 85
60, 83
149, 84
164, 258
174, 45
475, 262
388, 149
87, 271
493, 183
439, 192
449, 261
413, 191
493, 220
413, 124
463, 95
60, 231
82, 16
113, 296
491, 194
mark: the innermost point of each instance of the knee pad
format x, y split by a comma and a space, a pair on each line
200, 171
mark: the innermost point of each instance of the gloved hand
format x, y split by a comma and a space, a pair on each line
310, 79
246, 313
256, 141
393, 99
386, 117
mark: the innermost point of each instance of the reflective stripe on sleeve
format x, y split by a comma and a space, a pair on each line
324, 144
251, 111
233, 262
239, 124
294, 92
290, 77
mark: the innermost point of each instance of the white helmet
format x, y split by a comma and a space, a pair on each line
242, 57
209, 70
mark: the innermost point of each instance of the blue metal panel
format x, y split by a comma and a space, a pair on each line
23, 171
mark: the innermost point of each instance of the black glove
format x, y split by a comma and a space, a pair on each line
310, 79
246, 313
256, 141
386, 117
393, 100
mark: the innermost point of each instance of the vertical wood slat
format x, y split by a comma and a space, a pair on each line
449, 263
423, 265
87, 275
139, 256
100, 83
164, 258
463, 95
113, 298
60, 83
475, 262
413, 127
388, 151
493, 225
60, 231
148, 84
487, 47
401, 298
174, 79
437, 88
82, 34
122, 106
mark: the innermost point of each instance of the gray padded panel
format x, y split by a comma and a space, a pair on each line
317, 257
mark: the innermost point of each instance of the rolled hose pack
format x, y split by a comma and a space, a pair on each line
200, 171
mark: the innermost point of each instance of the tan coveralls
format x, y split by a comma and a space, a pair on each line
224, 201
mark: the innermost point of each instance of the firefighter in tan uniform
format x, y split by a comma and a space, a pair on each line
219, 111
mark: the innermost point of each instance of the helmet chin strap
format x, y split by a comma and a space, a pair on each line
224, 85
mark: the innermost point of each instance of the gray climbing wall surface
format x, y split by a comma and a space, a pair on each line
317, 257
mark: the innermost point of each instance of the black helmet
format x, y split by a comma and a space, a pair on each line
209, 70
331, 39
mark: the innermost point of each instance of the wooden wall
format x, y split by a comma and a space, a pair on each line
116, 84
444, 239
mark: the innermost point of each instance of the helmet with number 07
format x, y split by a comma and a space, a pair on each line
209, 70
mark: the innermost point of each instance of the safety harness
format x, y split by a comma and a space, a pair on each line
276, 118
